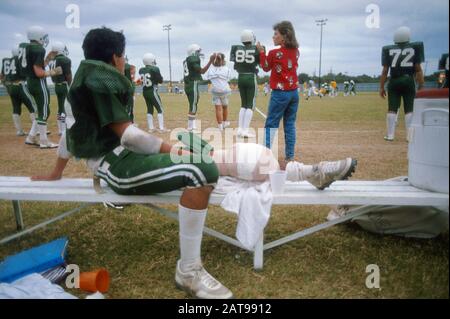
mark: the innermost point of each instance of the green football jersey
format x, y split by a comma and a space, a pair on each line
245, 58
9, 69
401, 58
98, 96
192, 67
150, 77
22, 61
65, 63
35, 55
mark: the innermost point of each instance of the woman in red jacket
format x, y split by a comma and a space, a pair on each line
282, 62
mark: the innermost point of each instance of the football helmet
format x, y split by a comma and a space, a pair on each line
60, 48
15, 51
248, 36
402, 35
195, 50
149, 59
37, 33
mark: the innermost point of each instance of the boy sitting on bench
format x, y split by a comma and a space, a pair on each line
134, 162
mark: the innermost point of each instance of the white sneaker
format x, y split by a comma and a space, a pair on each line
32, 140
21, 133
226, 124
48, 145
389, 139
164, 130
200, 284
325, 173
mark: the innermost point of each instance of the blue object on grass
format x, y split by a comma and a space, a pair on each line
37, 259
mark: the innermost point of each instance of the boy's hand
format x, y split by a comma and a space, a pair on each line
212, 57
260, 47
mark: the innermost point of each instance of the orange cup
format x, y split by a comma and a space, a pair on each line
96, 280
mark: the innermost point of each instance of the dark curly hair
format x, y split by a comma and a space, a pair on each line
102, 43
286, 29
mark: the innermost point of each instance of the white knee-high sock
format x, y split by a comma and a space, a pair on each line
297, 172
43, 134
34, 125
390, 123
247, 118
161, 121
17, 123
191, 233
241, 118
408, 121
150, 121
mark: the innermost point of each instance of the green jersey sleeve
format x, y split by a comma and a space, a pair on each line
109, 109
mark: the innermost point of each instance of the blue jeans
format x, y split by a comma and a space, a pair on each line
283, 104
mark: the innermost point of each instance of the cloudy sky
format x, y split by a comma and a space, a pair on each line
349, 43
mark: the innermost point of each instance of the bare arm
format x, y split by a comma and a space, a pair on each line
57, 172
384, 75
206, 67
419, 76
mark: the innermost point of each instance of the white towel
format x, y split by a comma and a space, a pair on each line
33, 286
252, 201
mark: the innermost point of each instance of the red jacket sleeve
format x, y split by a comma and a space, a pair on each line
266, 62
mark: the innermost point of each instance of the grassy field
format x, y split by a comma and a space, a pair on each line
140, 247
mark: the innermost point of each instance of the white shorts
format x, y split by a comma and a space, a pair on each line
220, 98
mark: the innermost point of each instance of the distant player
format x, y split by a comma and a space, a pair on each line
346, 88
333, 89
192, 76
246, 60
130, 72
266, 88
443, 66
311, 89
62, 81
150, 78
403, 60
13, 82
31, 56
352, 88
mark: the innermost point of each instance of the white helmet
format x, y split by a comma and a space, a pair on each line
60, 48
248, 36
15, 51
149, 59
38, 34
194, 49
402, 35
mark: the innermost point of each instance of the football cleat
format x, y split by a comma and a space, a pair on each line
32, 140
48, 145
325, 173
200, 284
389, 139
21, 133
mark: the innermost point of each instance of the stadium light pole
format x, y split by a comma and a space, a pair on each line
167, 28
321, 23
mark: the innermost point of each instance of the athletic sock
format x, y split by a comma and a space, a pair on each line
43, 134
150, 121
17, 123
191, 222
390, 122
161, 121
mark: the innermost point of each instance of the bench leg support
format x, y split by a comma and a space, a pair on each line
18, 214
258, 253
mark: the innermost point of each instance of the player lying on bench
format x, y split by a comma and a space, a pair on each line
134, 162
